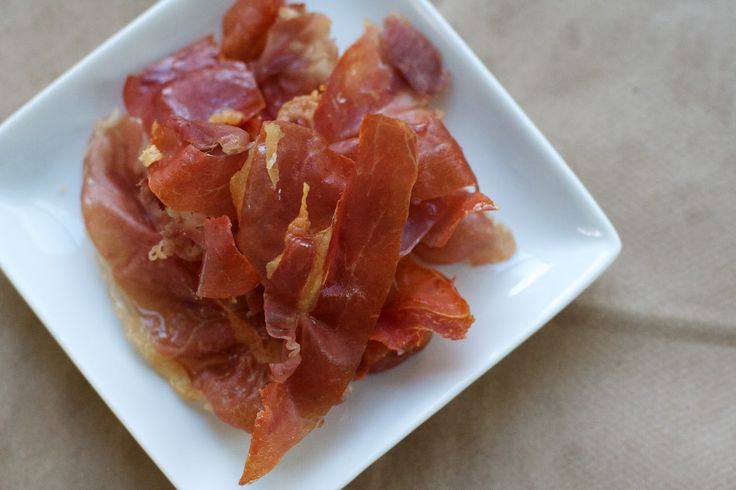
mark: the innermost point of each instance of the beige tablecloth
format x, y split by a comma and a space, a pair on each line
633, 385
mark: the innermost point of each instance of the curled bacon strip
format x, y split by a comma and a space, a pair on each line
359, 274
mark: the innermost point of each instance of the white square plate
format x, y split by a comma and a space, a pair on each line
565, 242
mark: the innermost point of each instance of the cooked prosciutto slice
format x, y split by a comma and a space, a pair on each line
421, 298
245, 28
286, 197
193, 84
443, 168
226, 273
117, 222
178, 329
141, 89
413, 55
203, 94
362, 83
378, 357
268, 189
359, 270
299, 57
452, 209
193, 164
421, 301
477, 239
373, 76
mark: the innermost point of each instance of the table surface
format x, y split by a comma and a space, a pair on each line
633, 385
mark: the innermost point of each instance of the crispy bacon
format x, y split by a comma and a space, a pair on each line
413, 55
299, 57
245, 27
196, 164
226, 273
361, 263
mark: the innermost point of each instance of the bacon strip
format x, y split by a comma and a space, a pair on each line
361, 263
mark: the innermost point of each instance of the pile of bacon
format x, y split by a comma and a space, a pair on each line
262, 205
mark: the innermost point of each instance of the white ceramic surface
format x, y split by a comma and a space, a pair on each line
565, 242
